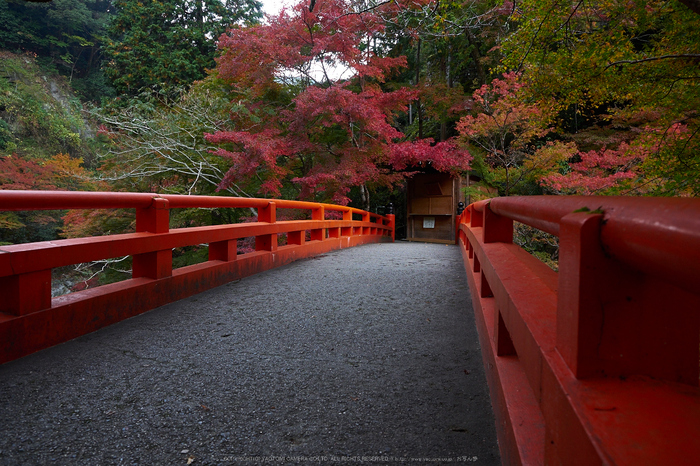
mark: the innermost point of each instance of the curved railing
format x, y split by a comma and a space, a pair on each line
598, 363
30, 319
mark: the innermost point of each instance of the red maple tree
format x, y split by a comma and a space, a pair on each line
296, 120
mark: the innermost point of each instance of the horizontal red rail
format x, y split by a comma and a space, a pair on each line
598, 363
60, 200
30, 319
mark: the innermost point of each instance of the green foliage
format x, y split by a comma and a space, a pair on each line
94, 86
42, 140
538, 243
6, 137
167, 45
189, 256
28, 227
506, 132
630, 69
66, 33
40, 116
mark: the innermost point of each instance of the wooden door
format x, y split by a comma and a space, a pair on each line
432, 202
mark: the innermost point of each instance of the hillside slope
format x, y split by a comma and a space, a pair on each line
39, 114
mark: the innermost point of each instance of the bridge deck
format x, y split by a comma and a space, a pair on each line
366, 352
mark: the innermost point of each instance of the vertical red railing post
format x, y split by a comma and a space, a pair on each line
153, 219
347, 217
580, 258
477, 218
458, 233
25, 293
296, 237
365, 218
469, 220
497, 229
335, 231
223, 250
318, 234
267, 214
608, 315
462, 218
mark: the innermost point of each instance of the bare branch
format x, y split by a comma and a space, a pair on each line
662, 57
366, 9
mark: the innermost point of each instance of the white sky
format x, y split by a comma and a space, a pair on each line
274, 6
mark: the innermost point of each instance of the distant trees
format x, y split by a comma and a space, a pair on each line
503, 134
624, 77
137, 44
451, 49
60, 172
338, 99
163, 45
66, 34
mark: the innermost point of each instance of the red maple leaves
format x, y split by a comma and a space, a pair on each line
597, 171
324, 133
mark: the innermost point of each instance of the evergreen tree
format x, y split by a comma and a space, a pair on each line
65, 34
165, 44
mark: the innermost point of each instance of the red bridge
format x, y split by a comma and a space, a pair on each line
598, 363
32, 320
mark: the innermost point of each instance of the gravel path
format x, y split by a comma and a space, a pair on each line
367, 354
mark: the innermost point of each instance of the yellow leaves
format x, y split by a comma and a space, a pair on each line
65, 166
550, 156
10, 221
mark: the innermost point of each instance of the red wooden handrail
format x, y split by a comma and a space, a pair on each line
30, 319
59, 200
598, 363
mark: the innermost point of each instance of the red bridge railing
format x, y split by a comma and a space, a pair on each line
30, 319
598, 363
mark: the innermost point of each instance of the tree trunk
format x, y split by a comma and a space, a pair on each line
364, 197
448, 79
476, 56
419, 111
